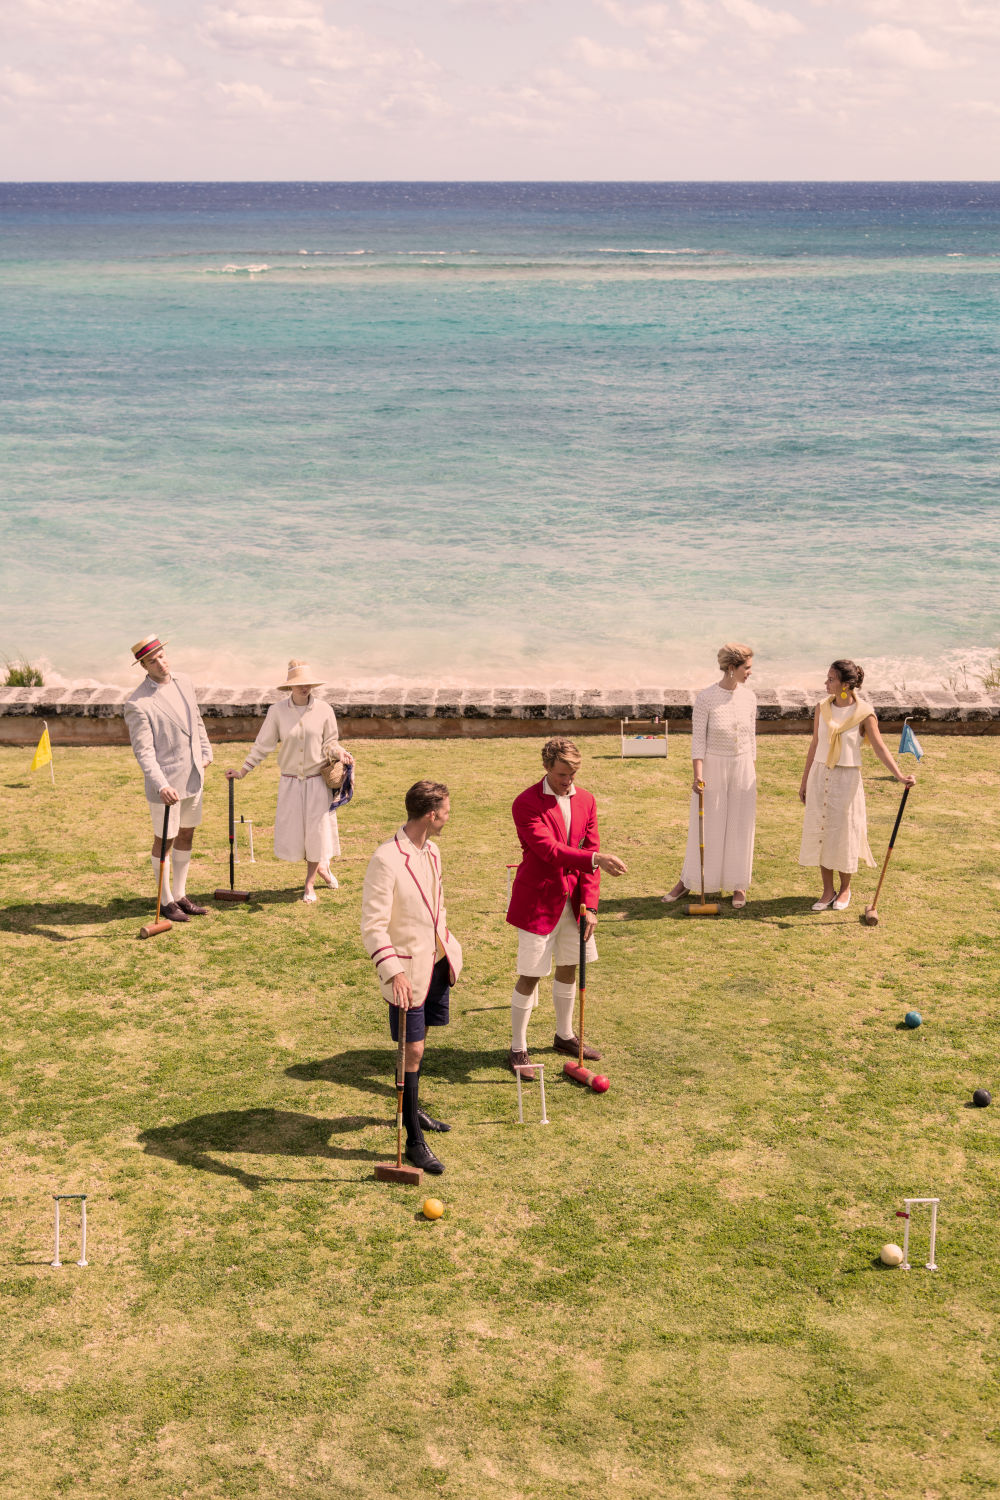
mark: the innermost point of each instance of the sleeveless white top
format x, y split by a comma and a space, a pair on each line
850, 740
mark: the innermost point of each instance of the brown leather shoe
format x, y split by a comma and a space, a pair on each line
174, 913
193, 910
521, 1060
571, 1046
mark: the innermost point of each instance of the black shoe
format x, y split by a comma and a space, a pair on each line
174, 913
419, 1154
426, 1123
191, 907
571, 1046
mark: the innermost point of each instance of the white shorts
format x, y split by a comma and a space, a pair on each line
535, 951
183, 814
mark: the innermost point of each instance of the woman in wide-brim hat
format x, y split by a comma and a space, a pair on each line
303, 730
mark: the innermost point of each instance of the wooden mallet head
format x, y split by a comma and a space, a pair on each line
579, 1074
387, 1171
153, 929
870, 916
224, 895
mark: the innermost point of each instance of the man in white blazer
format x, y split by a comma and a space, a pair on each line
171, 745
404, 927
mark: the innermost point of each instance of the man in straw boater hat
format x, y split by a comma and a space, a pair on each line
556, 823
404, 928
170, 743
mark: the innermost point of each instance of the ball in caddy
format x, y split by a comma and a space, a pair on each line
600, 1084
982, 1097
433, 1208
913, 1019
891, 1255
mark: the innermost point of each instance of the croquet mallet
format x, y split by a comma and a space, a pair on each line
870, 915
576, 1070
394, 1171
232, 894
703, 908
151, 929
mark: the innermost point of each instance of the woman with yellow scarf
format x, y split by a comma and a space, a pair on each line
835, 830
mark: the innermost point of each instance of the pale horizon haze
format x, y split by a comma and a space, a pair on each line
252, 90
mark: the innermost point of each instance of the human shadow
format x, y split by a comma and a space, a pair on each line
260, 1132
372, 1070
38, 919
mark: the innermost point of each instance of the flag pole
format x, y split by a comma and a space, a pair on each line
52, 769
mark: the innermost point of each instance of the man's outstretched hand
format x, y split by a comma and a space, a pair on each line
611, 864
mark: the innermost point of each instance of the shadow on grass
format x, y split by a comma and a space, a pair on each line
36, 918
373, 1069
257, 1132
653, 909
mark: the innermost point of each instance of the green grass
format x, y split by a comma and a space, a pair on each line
669, 1291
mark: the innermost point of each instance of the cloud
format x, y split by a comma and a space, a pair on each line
897, 47
250, 98
595, 55
295, 34
771, 24
949, 19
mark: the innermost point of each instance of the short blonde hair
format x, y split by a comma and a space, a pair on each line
560, 748
733, 655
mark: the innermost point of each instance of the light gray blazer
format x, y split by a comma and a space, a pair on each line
167, 747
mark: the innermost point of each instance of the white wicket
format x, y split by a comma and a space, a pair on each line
60, 1198
904, 1213
540, 1070
248, 825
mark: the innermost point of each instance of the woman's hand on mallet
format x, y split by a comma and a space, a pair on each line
910, 780
611, 864
402, 992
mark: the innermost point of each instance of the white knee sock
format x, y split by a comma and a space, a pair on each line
165, 895
521, 1007
564, 999
180, 859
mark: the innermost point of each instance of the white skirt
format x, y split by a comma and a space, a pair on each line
304, 826
730, 820
835, 828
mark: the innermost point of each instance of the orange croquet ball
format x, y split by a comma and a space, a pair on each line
433, 1208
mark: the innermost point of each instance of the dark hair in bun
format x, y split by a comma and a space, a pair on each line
850, 674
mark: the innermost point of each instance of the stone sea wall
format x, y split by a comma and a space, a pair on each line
94, 716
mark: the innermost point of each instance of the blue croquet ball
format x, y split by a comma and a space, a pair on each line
913, 1019
982, 1097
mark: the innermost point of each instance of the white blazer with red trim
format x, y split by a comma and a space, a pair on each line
404, 925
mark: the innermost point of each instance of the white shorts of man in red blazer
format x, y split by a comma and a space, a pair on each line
558, 877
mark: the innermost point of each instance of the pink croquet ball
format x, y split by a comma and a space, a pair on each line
600, 1084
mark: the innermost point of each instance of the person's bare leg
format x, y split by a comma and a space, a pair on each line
828, 891
309, 894
844, 894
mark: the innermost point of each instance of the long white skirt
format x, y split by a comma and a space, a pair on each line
835, 828
304, 826
730, 820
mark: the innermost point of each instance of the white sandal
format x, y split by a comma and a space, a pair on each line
309, 897
823, 905
839, 905
669, 899
329, 880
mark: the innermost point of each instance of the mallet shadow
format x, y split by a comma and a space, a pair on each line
370, 1069
262, 1132
34, 918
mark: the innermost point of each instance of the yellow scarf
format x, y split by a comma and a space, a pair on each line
862, 711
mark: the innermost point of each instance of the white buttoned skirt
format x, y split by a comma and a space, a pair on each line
730, 823
835, 828
304, 826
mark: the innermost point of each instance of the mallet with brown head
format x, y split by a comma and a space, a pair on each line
232, 894
870, 914
703, 908
394, 1171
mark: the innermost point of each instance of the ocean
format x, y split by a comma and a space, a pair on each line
501, 433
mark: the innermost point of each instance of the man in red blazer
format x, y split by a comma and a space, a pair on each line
557, 878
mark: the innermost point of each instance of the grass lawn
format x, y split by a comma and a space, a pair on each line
671, 1290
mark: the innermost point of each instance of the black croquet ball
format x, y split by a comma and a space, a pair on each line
982, 1097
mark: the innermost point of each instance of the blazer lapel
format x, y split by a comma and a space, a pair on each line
168, 712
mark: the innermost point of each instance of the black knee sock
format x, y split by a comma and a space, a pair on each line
411, 1089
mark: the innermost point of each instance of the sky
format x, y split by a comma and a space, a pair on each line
499, 89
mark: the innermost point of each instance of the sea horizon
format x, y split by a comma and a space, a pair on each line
481, 433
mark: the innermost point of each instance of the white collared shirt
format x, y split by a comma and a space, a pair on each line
564, 804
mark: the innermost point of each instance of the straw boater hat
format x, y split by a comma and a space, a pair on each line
146, 647
300, 674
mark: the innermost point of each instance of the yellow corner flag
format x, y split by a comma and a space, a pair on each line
43, 753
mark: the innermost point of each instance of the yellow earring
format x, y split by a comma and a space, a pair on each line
843, 695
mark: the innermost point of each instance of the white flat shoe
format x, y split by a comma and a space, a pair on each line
309, 897
824, 905
739, 902
842, 905
330, 881
670, 899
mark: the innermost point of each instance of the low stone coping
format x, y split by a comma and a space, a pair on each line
96, 715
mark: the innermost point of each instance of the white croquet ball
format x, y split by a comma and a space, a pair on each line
891, 1255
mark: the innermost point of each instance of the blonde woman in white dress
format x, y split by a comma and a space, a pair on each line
723, 752
303, 730
835, 828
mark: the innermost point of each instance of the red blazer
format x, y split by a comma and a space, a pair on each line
552, 870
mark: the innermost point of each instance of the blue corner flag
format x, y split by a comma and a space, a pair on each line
909, 744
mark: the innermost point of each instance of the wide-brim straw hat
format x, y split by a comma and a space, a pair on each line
146, 647
300, 674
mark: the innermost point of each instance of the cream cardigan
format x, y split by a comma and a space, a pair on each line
303, 737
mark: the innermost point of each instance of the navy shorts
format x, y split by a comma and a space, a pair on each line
433, 1012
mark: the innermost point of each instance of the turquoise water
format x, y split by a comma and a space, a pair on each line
501, 433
